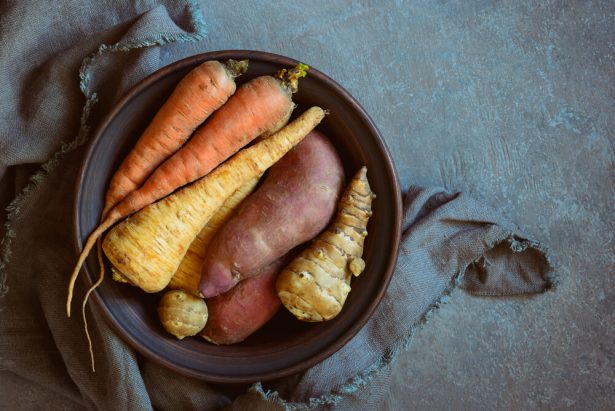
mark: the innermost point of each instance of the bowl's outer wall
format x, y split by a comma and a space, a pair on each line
284, 345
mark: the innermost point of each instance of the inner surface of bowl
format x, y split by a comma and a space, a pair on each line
284, 345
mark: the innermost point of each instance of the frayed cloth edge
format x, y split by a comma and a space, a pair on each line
517, 244
369, 373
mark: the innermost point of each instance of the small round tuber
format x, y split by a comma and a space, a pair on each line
182, 314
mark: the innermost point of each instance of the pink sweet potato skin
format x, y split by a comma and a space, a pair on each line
238, 313
295, 202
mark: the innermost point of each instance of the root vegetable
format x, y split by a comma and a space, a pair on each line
314, 286
295, 202
148, 247
201, 92
238, 313
258, 106
182, 314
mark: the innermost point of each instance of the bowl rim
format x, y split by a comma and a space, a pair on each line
388, 166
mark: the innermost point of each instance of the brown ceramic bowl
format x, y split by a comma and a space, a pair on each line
285, 345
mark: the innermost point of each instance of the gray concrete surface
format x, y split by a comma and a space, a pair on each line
514, 102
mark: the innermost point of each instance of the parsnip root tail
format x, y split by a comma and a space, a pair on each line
98, 282
89, 244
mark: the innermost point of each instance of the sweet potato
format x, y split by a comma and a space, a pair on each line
238, 313
295, 202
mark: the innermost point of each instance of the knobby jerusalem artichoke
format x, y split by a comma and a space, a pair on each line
314, 286
182, 314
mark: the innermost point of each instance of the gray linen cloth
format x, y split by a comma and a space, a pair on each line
82, 58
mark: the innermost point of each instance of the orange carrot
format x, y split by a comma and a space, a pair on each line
202, 91
257, 107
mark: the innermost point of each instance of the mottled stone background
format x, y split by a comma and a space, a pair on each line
514, 102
